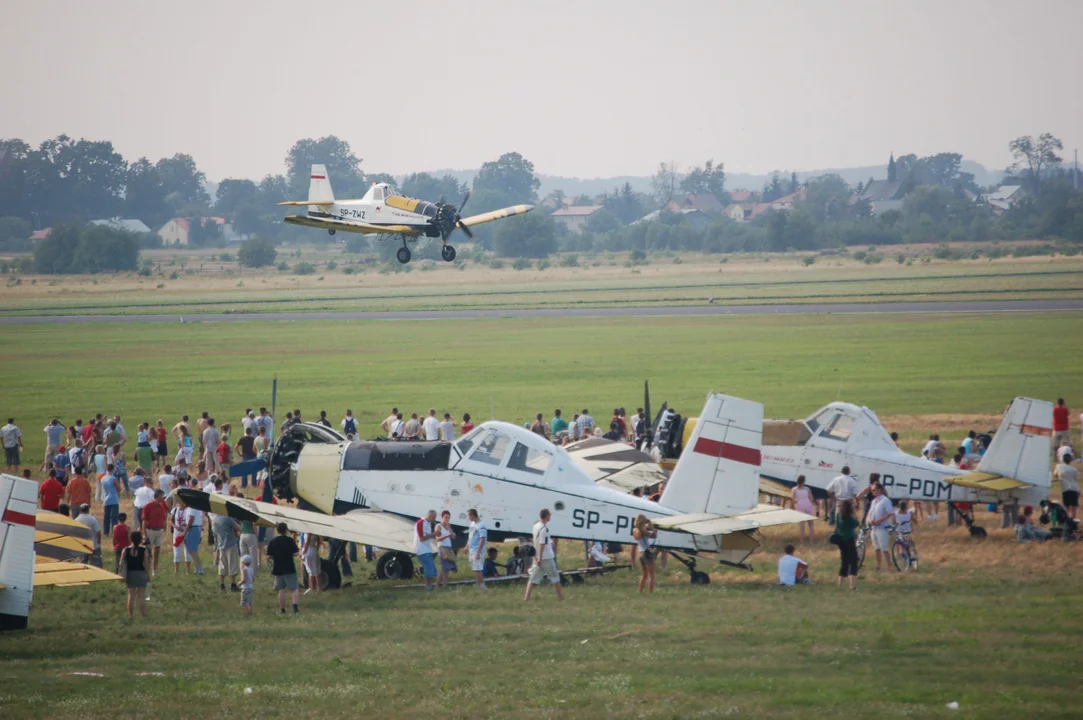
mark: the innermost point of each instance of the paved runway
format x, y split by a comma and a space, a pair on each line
974, 306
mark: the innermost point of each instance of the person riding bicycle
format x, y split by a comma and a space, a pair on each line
904, 519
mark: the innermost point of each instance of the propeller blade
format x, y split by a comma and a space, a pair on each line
465, 229
464, 203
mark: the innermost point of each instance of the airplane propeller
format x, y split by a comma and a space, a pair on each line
450, 218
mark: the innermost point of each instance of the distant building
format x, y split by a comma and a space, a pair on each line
1002, 199
131, 225
40, 234
882, 195
692, 216
574, 217
743, 196
175, 232
704, 202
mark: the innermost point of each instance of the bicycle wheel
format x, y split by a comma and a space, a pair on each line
900, 556
860, 553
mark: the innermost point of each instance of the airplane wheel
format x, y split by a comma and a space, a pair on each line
403, 255
563, 579
576, 579
448, 253
330, 576
330, 231
394, 566
700, 578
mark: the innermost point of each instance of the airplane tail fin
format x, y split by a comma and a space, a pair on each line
1021, 449
719, 469
18, 516
319, 186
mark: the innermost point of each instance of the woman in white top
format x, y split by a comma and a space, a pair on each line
803, 502
310, 556
444, 535
645, 534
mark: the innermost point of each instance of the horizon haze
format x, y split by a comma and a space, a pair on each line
582, 90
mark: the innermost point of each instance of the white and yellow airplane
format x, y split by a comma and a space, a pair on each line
35, 547
385, 212
372, 492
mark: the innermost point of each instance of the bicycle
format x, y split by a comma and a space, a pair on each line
904, 553
860, 540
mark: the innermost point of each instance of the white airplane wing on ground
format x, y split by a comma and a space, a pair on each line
368, 527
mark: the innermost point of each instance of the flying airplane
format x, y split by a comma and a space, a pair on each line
1015, 468
383, 211
372, 492
34, 549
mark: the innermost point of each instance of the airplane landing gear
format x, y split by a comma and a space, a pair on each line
698, 576
403, 254
330, 231
448, 253
394, 566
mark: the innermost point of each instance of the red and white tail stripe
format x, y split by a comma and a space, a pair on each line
18, 516
719, 470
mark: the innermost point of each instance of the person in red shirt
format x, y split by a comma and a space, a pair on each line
1060, 425
153, 516
223, 454
51, 492
121, 537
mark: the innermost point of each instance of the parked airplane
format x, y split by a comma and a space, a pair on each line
1015, 468
385, 212
373, 492
33, 547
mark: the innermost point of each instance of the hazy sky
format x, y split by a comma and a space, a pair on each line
580, 88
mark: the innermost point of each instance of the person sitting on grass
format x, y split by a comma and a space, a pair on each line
489, 568
1025, 529
792, 570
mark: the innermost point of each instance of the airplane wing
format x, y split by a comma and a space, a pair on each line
496, 215
58, 537
352, 226
763, 515
368, 527
615, 465
301, 203
769, 486
68, 574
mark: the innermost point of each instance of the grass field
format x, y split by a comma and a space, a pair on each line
603, 281
909, 365
991, 625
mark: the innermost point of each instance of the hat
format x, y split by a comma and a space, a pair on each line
62, 448
246, 560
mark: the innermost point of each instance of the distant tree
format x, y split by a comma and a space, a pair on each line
827, 197
930, 201
625, 204
794, 186
427, 187
14, 234
343, 167
1034, 157
602, 221
555, 198
203, 232
182, 182
528, 235
144, 194
231, 194
583, 200
80, 179
380, 178
706, 180
776, 230
892, 171
772, 189
256, 253
70, 248
664, 183
511, 177
273, 189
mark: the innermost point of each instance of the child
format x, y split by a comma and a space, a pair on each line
121, 536
223, 454
904, 518
792, 570
489, 566
248, 580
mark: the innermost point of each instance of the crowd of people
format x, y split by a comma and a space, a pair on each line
86, 465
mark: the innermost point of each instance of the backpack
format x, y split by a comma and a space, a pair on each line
78, 461
350, 426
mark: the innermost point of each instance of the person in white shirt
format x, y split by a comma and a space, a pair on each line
444, 535
85, 518
398, 427
476, 543
431, 426
424, 532
248, 421
792, 570
165, 482
193, 536
1069, 484
842, 487
447, 429
143, 496
1065, 449
248, 582
546, 565
349, 425
881, 515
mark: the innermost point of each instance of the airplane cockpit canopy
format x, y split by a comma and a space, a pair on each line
507, 450
837, 424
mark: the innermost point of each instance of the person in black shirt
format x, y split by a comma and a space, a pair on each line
281, 551
246, 446
134, 569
